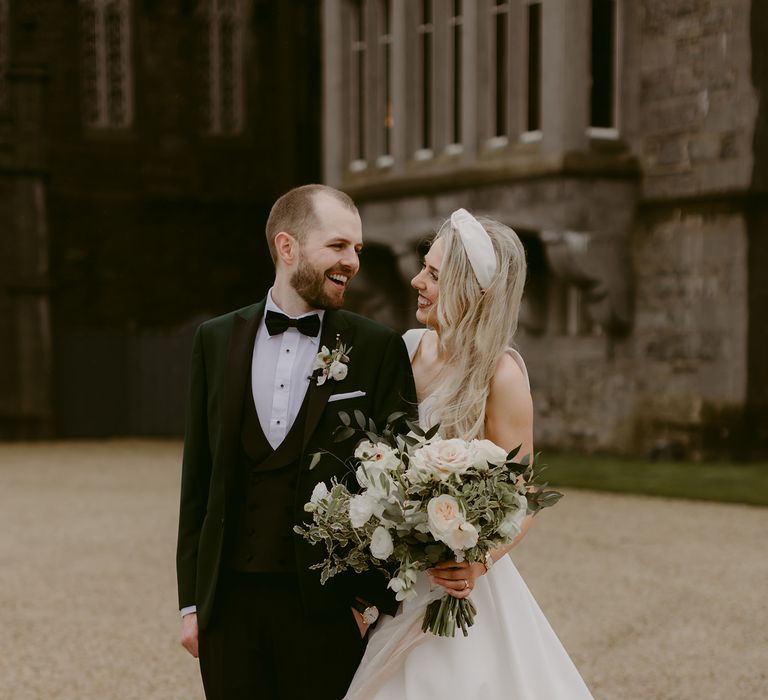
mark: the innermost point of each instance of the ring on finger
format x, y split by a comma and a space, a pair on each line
466, 585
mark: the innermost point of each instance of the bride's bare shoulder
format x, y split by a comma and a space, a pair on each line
509, 386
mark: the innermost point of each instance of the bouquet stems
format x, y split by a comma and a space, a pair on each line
444, 616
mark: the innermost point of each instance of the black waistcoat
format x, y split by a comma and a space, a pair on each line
264, 502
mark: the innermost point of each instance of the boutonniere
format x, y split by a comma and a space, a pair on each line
331, 363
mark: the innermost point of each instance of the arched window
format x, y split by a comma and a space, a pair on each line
107, 71
225, 114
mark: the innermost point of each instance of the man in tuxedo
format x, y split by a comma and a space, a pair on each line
263, 625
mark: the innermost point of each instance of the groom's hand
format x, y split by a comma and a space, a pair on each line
189, 633
359, 620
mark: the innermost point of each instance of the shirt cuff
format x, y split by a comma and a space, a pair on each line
188, 610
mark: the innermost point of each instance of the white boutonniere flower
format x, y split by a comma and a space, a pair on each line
331, 363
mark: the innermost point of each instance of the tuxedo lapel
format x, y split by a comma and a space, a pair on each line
237, 374
335, 330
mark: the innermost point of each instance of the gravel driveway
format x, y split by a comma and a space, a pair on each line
654, 599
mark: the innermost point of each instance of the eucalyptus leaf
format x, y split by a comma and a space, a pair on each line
343, 434
396, 416
415, 428
344, 417
360, 418
315, 459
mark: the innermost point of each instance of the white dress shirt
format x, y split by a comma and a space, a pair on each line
280, 371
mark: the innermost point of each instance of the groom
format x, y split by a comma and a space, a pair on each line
263, 624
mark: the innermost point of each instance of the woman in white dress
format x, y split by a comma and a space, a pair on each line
474, 385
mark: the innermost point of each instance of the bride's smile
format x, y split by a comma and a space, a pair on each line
426, 284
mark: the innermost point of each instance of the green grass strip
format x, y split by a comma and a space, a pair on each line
707, 481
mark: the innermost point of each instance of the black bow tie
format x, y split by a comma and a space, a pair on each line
279, 323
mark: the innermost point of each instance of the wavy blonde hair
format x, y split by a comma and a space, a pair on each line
475, 326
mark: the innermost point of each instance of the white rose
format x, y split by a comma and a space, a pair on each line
338, 370
510, 526
487, 451
381, 543
361, 508
463, 537
319, 493
443, 458
445, 516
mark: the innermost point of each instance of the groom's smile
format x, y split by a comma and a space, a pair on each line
329, 255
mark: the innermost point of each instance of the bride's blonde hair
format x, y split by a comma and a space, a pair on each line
475, 326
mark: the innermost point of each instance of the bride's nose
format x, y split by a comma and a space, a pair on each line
417, 282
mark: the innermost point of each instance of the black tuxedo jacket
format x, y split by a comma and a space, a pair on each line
378, 368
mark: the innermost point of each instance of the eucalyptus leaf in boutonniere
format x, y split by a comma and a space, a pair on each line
331, 363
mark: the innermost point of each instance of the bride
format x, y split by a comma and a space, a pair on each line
474, 385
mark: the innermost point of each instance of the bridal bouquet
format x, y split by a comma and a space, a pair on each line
422, 500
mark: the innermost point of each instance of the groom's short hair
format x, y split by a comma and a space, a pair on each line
294, 212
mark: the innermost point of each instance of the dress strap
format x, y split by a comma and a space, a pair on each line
412, 339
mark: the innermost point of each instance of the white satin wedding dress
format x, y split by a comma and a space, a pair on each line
511, 652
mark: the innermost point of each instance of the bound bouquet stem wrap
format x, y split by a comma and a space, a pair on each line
416, 500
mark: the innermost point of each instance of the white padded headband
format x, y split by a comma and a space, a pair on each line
478, 246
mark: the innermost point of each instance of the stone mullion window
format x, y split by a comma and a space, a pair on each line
107, 75
499, 70
425, 92
456, 62
502, 50
353, 66
225, 114
383, 119
5, 53
605, 69
531, 23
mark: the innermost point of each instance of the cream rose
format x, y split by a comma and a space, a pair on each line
443, 458
444, 516
487, 451
381, 543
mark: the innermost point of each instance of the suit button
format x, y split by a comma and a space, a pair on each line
222, 521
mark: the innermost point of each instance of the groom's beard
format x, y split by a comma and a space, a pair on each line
309, 284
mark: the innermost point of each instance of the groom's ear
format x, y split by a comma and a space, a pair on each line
287, 248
